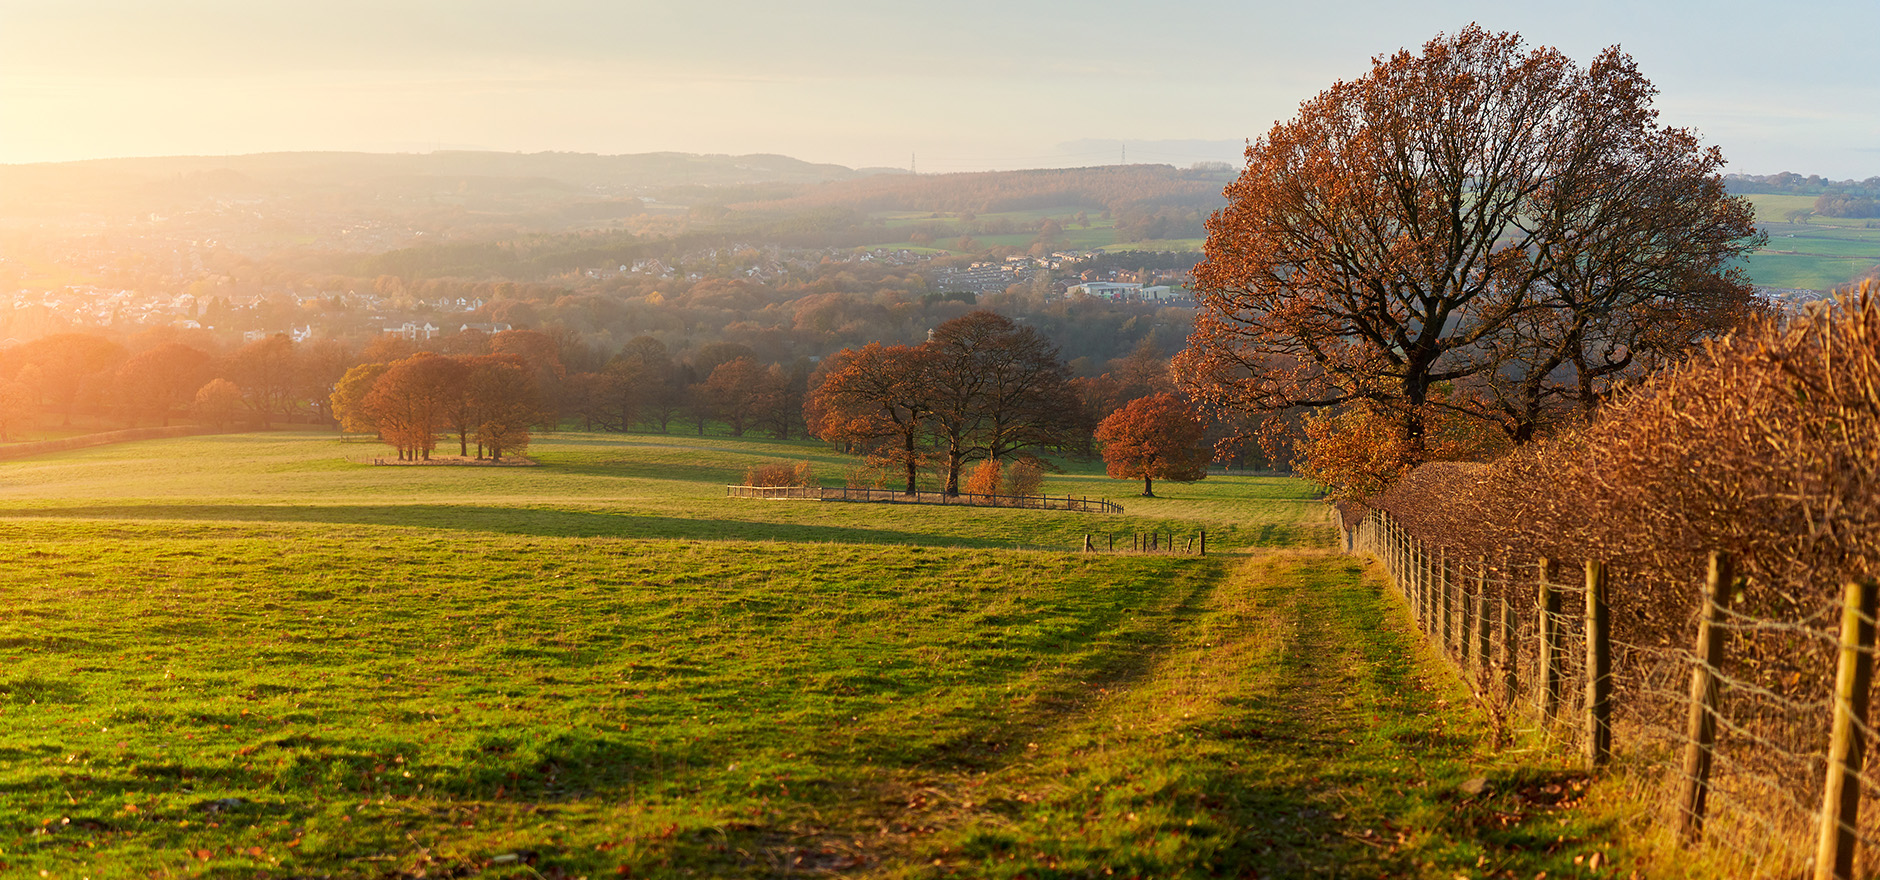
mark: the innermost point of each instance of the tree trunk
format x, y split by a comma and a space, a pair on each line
913, 464
1148, 487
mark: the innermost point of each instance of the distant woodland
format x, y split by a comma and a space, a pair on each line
624, 283
1833, 198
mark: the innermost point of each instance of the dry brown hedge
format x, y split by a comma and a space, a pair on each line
1765, 445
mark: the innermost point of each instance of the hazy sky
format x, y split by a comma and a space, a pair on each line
961, 85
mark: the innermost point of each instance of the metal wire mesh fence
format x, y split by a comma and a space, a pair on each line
1750, 737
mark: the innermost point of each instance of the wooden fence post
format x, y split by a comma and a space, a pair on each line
1598, 668
1465, 623
1425, 587
1701, 727
1482, 619
1390, 551
1088, 546
1447, 608
1840, 799
1393, 558
1406, 577
1396, 560
1551, 637
1510, 630
1204, 542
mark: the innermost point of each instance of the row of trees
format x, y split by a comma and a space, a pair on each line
984, 388
981, 387
63, 374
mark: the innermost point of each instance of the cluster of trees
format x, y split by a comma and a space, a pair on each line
982, 387
1477, 236
492, 398
986, 389
1148, 223
1847, 205
1790, 183
64, 374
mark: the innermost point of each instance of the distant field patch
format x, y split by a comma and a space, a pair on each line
1820, 254
1183, 245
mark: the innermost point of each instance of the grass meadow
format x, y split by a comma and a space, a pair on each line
1821, 253
260, 655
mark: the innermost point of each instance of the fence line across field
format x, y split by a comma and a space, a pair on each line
1536, 640
895, 496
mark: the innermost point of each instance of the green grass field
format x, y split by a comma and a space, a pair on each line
1100, 234
260, 655
1820, 253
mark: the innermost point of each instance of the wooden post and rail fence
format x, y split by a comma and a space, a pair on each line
1168, 542
895, 496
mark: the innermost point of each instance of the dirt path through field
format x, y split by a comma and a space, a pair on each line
1292, 725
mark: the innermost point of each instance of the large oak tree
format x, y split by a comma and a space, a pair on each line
1480, 214
875, 397
996, 388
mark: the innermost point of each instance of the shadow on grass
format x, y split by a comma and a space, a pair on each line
1345, 754
1134, 639
507, 520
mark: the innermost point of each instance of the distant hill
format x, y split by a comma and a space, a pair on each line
1111, 187
174, 182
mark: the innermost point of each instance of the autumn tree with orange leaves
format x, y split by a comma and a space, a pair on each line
1481, 217
412, 400
876, 398
1154, 438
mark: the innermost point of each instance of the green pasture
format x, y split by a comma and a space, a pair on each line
1100, 234
261, 655
1819, 253
1774, 207
1159, 244
611, 485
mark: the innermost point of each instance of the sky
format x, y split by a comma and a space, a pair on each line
964, 85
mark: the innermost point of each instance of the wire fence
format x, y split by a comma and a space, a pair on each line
1751, 730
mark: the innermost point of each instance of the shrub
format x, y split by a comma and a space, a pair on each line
1024, 477
984, 480
864, 477
777, 473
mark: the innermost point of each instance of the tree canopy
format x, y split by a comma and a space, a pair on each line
983, 387
1480, 216
1154, 438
